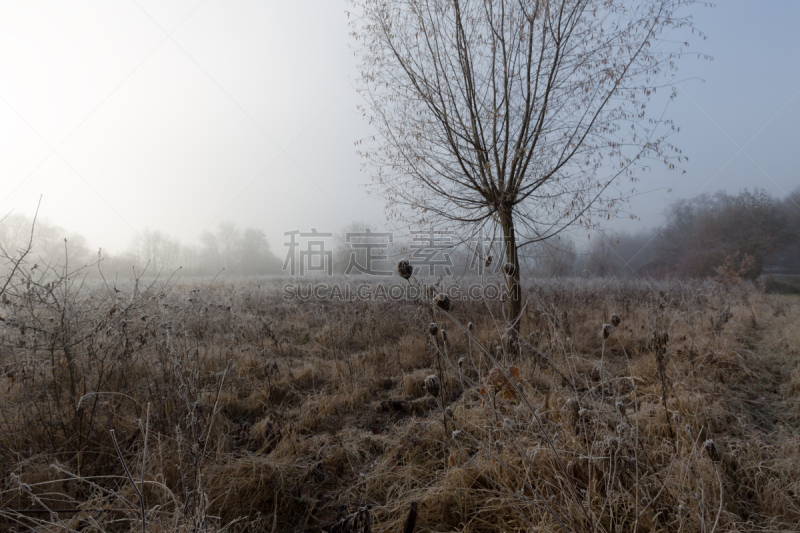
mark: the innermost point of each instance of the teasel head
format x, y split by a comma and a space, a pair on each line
509, 269
444, 335
460, 363
615, 320
712, 451
433, 385
606, 332
442, 301
471, 327
404, 269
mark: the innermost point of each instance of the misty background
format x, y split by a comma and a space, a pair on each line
197, 133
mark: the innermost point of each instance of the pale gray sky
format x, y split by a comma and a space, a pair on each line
172, 115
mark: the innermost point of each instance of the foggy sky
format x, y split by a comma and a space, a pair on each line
177, 115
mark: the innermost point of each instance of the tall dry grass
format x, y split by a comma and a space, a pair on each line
235, 410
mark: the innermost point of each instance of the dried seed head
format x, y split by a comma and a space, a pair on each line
615, 320
712, 450
449, 411
404, 269
488, 261
432, 385
444, 335
606, 331
509, 269
433, 329
471, 327
572, 408
442, 301
499, 445
460, 362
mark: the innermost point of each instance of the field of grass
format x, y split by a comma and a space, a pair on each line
199, 406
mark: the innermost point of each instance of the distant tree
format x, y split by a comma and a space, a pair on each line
210, 256
554, 257
15, 230
254, 253
155, 251
514, 116
791, 205
228, 234
602, 260
190, 259
791, 253
351, 245
704, 233
634, 251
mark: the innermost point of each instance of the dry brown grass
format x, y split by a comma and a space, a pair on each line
276, 416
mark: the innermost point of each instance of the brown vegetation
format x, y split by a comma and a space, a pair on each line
236, 410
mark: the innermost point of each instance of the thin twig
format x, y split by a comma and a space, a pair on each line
130, 477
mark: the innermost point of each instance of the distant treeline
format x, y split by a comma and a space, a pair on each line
744, 235
238, 251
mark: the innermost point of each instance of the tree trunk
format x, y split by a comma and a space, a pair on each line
511, 271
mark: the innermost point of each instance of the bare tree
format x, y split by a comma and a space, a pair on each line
602, 260
255, 254
557, 257
228, 236
155, 251
514, 116
210, 256
353, 245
